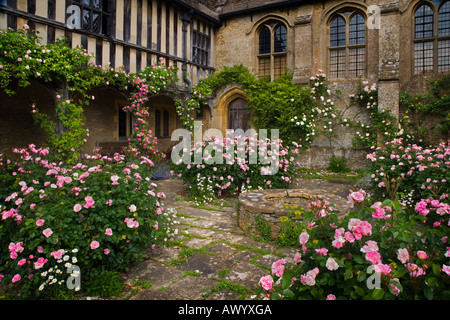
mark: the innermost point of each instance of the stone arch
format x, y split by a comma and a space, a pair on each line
268, 17
220, 120
330, 12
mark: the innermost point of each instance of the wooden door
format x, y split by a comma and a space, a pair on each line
238, 114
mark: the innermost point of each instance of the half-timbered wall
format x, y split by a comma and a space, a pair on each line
129, 33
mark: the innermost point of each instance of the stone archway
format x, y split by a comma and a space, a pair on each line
233, 97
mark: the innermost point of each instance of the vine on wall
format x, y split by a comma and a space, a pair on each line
73, 75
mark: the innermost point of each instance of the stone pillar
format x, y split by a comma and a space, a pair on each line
303, 45
389, 57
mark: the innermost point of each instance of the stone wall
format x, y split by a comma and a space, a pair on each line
389, 60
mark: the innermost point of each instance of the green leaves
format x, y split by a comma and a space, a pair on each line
60, 201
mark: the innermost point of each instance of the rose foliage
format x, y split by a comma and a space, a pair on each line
97, 215
384, 248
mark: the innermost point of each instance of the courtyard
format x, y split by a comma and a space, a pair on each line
288, 183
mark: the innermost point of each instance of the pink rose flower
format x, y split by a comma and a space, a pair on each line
47, 232
21, 262
322, 251
304, 237
89, 202
403, 255
95, 245
382, 268
77, 207
373, 257
356, 197
40, 222
108, 232
278, 267
414, 270
370, 246
332, 264
297, 257
422, 255
266, 282
58, 254
349, 237
395, 290
40, 263
309, 279
331, 297
16, 278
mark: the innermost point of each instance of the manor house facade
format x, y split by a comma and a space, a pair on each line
398, 44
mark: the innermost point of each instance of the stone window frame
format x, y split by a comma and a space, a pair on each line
345, 51
434, 41
275, 61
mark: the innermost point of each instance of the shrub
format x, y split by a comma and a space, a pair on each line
412, 170
96, 215
338, 165
227, 168
375, 252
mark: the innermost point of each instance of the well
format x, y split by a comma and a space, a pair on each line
269, 205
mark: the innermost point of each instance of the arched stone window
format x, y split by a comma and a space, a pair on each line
347, 50
432, 37
272, 49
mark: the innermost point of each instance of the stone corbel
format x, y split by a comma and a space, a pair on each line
210, 104
389, 7
303, 19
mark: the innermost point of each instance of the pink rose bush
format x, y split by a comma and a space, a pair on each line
72, 210
227, 166
415, 171
339, 258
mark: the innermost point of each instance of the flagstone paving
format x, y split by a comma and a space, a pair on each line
210, 258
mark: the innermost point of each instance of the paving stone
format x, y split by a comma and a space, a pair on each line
192, 288
206, 264
245, 256
222, 249
245, 259
224, 295
197, 243
246, 274
155, 273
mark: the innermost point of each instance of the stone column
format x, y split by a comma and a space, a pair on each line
303, 59
389, 57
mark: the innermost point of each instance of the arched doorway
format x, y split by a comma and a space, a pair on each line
238, 114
